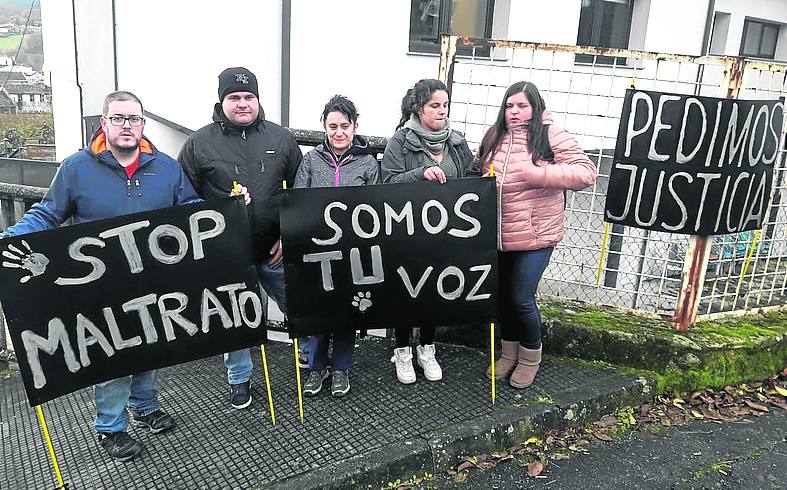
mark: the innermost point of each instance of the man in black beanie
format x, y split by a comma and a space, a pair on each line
240, 145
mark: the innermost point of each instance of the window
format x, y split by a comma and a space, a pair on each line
759, 39
606, 24
430, 18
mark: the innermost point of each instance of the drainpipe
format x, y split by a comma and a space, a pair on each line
286, 27
708, 27
115, 45
76, 71
705, 42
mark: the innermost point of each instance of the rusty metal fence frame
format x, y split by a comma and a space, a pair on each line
665, 274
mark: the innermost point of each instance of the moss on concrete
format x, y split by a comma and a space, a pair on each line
710, 354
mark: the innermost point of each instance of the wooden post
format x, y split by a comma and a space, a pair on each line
696, 263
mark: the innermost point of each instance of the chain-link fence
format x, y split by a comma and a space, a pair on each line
584, 89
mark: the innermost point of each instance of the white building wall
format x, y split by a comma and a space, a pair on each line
59, 61
365, 60
170, 53
675, 26
555, 21
767, 10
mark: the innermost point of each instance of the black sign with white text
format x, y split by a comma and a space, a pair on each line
100, 300
390, 255
693, 165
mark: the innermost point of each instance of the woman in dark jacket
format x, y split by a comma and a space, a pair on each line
424, 147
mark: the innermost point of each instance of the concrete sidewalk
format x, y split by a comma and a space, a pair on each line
379, 432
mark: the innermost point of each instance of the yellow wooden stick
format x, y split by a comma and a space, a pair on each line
748, 260
45, 430
602, 254
295, 348
267, 382
492, 349
492, 325
298, 378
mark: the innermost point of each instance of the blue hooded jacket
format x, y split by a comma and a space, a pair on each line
91, 185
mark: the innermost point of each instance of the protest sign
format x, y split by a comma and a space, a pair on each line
693, 165
390, 255
100, 300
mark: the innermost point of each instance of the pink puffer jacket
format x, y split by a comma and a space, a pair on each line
531, 197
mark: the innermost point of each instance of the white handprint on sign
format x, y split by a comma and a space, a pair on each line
33, 263
362, 301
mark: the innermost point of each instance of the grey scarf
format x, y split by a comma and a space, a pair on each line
433, 141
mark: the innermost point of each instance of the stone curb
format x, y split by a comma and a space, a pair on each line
438, 450
373, 469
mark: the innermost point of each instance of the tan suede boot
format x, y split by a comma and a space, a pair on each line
526, 368
507, 362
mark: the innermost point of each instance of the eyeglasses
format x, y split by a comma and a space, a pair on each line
121, 120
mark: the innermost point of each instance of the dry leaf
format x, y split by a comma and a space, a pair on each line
779, 404
780, 391
607, 421
532, 440
711, 415
756, 406
730, 390
535, 468
460, 477
602, 436
465, 465
560, 456
697, 415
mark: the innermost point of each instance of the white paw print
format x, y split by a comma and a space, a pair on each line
362, 301
33, 263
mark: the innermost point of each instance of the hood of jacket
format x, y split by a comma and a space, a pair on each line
98, 147
546, 120
358, 147
228, 126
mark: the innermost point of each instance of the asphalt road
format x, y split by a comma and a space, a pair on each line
747, 454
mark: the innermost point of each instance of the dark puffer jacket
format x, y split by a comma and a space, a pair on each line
259, 156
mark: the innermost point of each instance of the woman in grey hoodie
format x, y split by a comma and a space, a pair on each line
343, 159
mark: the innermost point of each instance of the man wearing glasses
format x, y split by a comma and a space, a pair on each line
119, 173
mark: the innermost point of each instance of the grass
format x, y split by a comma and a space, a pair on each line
10, 42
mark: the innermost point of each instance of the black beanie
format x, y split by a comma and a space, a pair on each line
237, 79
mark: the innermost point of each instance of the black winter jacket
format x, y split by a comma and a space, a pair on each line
259, 156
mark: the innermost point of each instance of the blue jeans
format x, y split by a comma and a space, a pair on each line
342, 355
137, 391
238, 363
519, 274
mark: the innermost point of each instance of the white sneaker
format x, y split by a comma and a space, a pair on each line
403, 358
428, 363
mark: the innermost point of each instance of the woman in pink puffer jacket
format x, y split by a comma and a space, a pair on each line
535, 162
